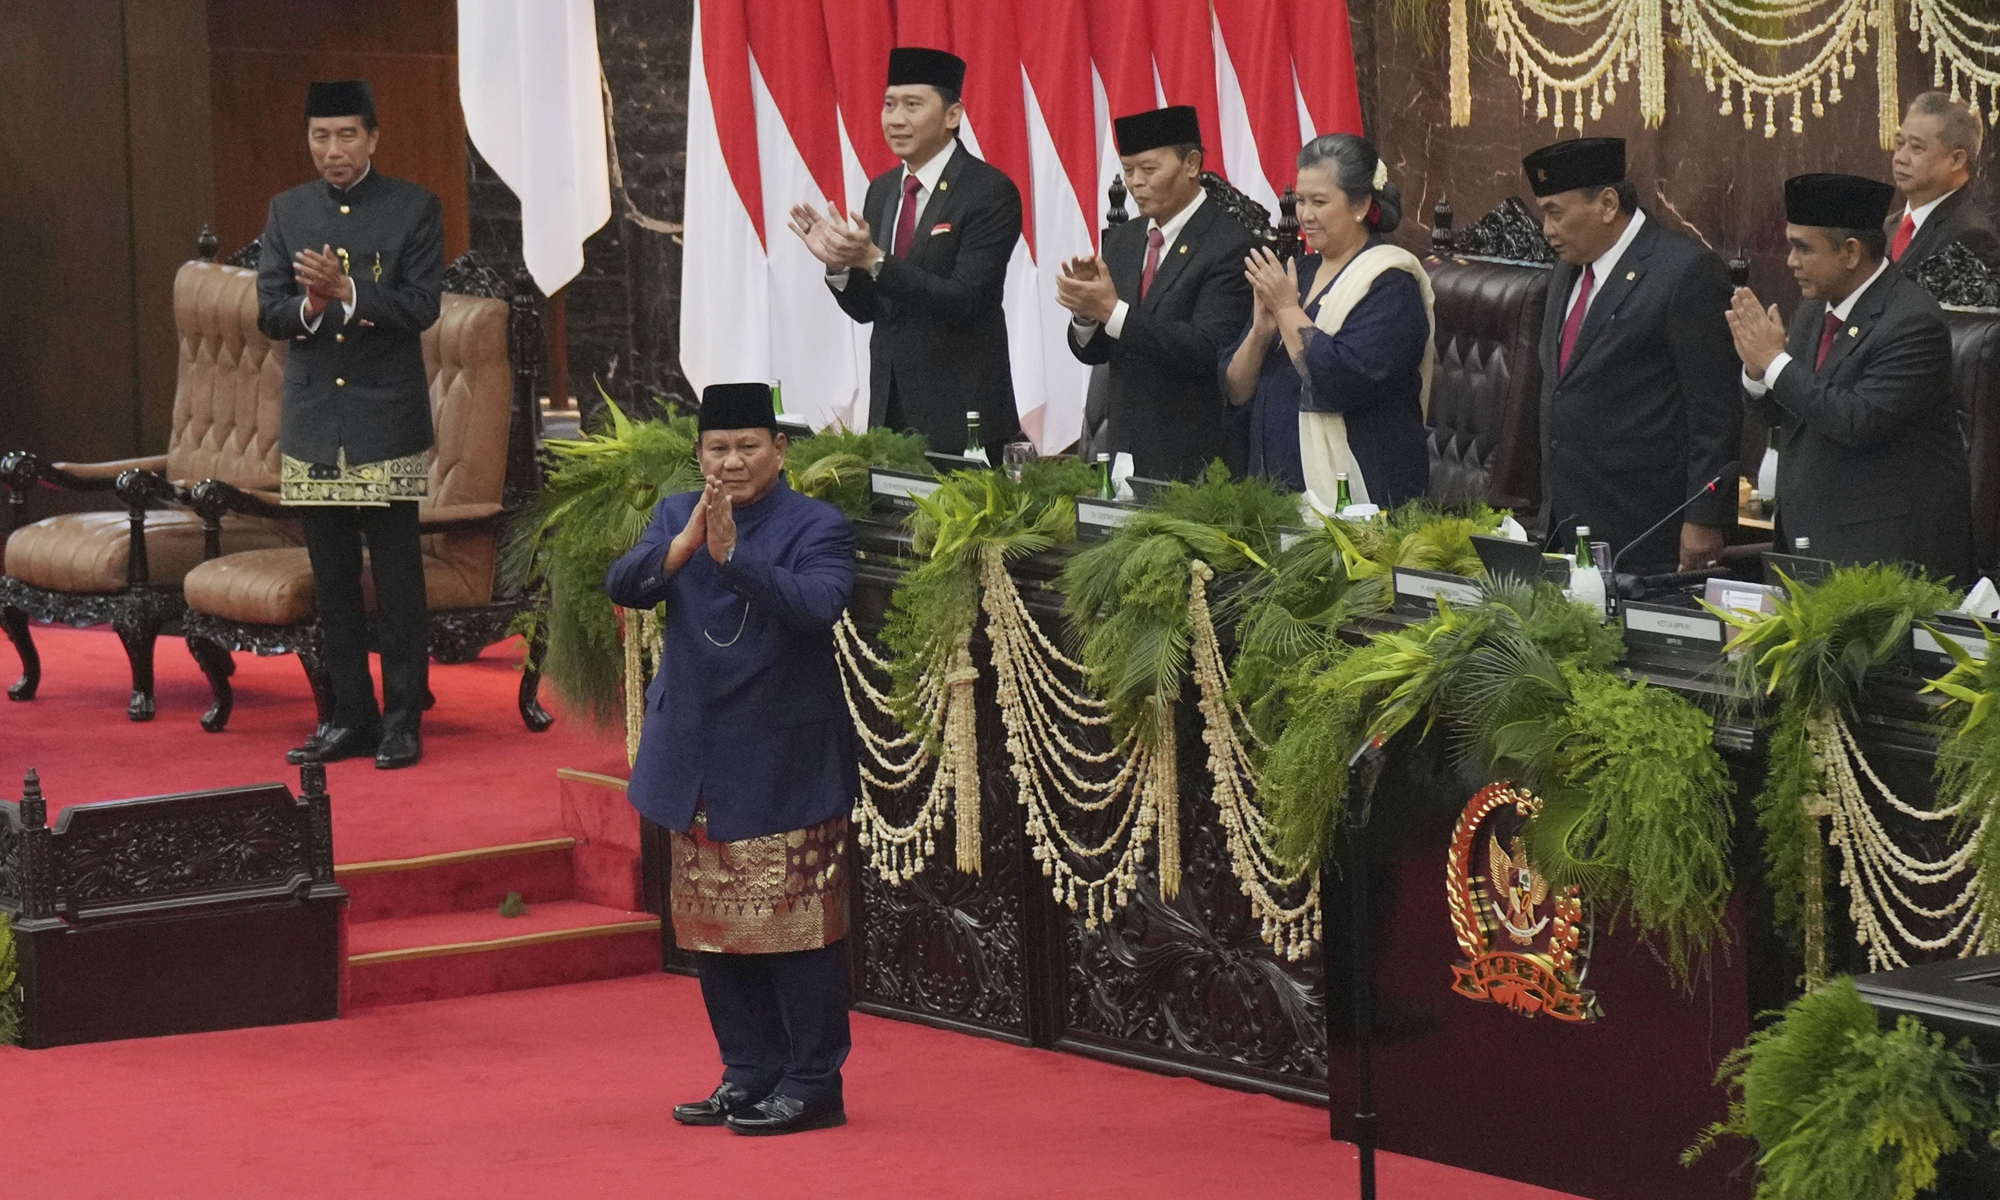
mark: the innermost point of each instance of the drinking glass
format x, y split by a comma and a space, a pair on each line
1017, 455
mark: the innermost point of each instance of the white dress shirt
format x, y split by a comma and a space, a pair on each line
346, 306
1170, 233
927, 181
1602, 266
1758, 387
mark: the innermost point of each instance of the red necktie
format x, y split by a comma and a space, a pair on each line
1574, 323
1826, 339
906, 217
1154, 240
1904, 232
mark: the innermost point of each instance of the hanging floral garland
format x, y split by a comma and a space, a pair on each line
1963, 49
1729, 43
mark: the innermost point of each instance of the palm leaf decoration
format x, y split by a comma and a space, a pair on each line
1968, 765
833, 465
1838, 1106
1635, 798
596, 499
1126, 598
937, 602
1817, 654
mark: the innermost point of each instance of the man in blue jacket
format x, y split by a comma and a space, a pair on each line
748, 757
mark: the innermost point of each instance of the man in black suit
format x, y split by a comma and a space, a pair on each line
1164, 299
950, 222
1871, 464
350, 273
1935, 148
1639, 404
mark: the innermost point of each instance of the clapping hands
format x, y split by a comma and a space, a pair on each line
842, 243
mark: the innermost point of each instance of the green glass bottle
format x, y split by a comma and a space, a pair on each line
1583, 546
778, 397
1104, 488
974, 448
1342, 496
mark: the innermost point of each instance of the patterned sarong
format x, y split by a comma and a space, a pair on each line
370, 485
766, 895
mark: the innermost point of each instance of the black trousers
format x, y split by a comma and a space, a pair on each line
333, 540
780, 1020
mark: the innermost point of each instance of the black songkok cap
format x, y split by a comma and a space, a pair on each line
736, 406
1575, 164
919, 64
1140, 132
1837, 201
340, 98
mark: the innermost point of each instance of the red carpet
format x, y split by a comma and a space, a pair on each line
564, 1092
485, 780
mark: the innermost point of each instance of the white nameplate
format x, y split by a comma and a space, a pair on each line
1693, 626
900, 486
1926, 642
1105, 514
1428, 586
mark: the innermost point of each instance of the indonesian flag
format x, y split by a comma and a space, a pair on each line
784, 107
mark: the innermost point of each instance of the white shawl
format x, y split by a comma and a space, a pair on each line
1323, 449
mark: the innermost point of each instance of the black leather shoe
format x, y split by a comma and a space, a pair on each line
337, 744
776, 1114
728, 1099
399, 750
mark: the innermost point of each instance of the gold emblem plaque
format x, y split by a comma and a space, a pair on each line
1526, 943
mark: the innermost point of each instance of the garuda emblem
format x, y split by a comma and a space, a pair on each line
1527, 944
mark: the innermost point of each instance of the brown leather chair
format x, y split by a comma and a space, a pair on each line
125, 569
480, 357
1491, 282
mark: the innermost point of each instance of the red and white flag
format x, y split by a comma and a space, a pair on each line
784, 106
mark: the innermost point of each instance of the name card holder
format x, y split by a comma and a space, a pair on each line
894, 489
1095, 518
1928, 654
943, 462
1683, 640
1418, 592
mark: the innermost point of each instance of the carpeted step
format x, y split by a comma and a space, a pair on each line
433, 956
460, 881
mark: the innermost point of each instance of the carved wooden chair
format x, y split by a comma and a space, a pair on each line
1491, 281
125, 568
481, 357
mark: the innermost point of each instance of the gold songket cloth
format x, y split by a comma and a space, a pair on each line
367, 485
764, 895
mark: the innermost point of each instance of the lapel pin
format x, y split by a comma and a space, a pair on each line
1631, 275
944, 185
1183, 248
1853, 331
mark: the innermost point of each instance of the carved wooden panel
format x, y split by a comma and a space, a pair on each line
108, 855
1191, 979
948, 944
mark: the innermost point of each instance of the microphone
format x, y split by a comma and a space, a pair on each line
1730, 471
1555, 531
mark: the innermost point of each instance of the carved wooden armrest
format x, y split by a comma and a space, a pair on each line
461, 518
22, 472
211, 498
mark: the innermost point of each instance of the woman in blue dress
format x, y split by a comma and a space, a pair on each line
1335, 366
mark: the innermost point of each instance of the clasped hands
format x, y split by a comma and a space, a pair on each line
1274, 285
712, 523
318, 272
842, 243
1759, 332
